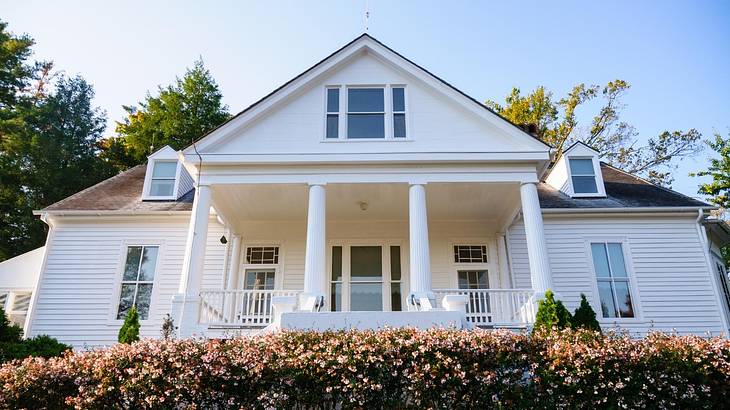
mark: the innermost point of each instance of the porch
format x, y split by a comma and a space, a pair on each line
341, 251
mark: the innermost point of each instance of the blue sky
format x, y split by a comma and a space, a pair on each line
676, 55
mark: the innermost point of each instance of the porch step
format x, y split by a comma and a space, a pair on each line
322, 321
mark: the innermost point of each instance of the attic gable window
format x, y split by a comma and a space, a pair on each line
365, 112
165, 178
162, 183
583, 176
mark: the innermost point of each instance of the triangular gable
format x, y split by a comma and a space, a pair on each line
363, 43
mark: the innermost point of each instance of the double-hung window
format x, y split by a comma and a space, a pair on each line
137, 280
365, 113
368, 112
162, 183
583, 176
614, 284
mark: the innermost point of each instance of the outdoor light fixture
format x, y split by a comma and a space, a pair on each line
224, 240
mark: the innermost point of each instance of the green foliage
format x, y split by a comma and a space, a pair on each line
584, 317
551, 313
394, 368
179, 114
49, 142
719, 170
12, 345
130, 329
558, 125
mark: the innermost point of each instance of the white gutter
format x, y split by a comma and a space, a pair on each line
702, 233
642, 209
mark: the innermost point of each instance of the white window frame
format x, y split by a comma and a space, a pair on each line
490, 266
600, 188
388, 114
633, 288
148, 181
240, 282
121, 262
387, 281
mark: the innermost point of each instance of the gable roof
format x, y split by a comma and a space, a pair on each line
623, 190
364, 41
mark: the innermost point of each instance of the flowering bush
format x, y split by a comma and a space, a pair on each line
400, 368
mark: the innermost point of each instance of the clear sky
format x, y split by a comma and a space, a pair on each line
676, 55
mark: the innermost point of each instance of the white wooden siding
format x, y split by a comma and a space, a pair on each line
78, 292
665, 257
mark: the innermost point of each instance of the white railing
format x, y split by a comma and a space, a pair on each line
495, 307
239, 308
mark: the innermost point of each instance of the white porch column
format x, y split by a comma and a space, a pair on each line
542, 279
420, 258
315, 261
185, 304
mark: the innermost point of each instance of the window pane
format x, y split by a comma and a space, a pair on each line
399, 99
336, 297
162, 187
366, 126
250, 280
333, 100
269, 281
144, 294
366, 297
623, 295
337, 263
608, 307
600, 259
584, 185
483, 279
581, 167
395, 297
131, 267
463, 280
149, 260
616, 255
333, 123
366, 263
395, 262
365, 100
470, 254
164, 170
125, 300
399, 125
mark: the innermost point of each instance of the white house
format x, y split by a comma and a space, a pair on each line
368, 192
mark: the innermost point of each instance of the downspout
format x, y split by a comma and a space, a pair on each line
704, 241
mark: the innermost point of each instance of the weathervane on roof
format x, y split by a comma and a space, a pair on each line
367, 15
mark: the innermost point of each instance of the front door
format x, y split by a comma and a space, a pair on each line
365, 278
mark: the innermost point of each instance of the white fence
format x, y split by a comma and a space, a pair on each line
239, 308
495, 307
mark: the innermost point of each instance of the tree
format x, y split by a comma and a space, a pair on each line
49, 153
551, 313
179, 114
557, 124
15, 71
130, 329
584, 317
719, 188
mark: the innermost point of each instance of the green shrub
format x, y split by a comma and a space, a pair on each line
396, 368
130, 329
12, 345
551, 313
584, 317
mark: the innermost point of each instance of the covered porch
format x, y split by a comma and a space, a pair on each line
340, 248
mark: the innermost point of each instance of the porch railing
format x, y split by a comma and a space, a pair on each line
495, 307
239, 308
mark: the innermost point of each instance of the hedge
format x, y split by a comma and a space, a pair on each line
399, 368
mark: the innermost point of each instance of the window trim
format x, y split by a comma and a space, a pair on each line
240, 282
595, 300
388, 113
491, 266
148, 181
119, 273
600, 188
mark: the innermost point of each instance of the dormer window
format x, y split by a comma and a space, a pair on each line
162, 183
166, 179
583, 176
365, 112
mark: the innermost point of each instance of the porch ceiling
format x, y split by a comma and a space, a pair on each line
288, 202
